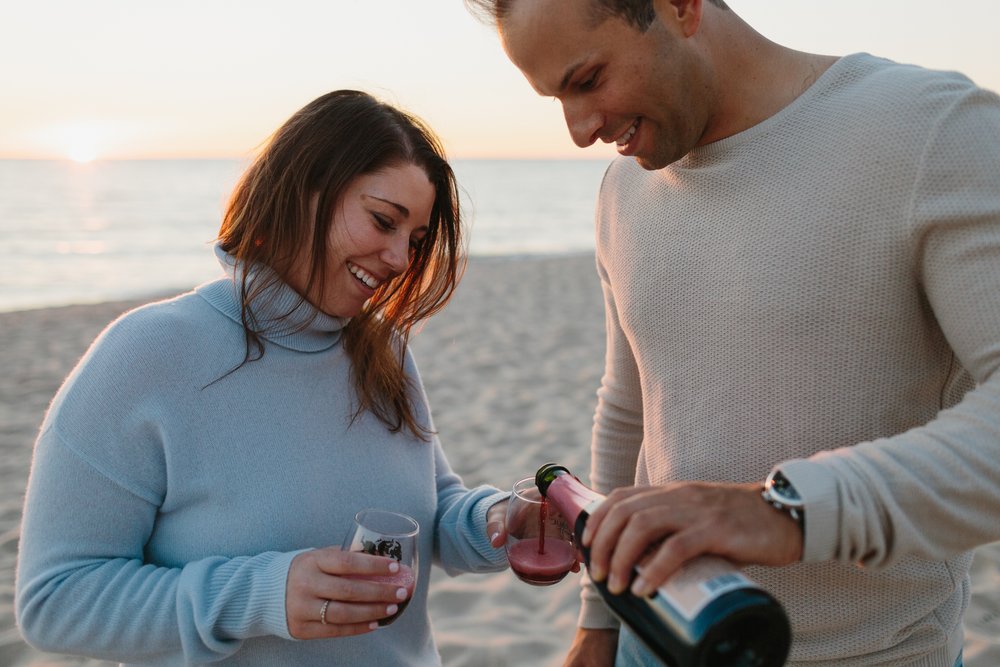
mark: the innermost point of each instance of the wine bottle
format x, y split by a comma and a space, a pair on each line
708, 614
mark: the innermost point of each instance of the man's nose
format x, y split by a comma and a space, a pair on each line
584, 122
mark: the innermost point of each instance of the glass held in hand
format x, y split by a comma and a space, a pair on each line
393, 535
540, 545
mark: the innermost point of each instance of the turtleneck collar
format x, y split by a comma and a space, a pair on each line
283, 316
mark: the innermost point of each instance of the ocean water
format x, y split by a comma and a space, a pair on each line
86, 233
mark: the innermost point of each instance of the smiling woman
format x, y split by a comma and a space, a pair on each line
301, 384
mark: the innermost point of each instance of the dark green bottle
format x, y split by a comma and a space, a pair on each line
707, 615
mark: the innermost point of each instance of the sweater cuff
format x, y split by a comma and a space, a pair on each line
480, 540
276, 614
818, 490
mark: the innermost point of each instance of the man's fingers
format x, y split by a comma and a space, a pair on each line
623, 506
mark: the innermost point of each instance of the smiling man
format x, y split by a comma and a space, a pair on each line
800, 256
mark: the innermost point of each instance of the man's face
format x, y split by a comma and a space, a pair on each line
645, 91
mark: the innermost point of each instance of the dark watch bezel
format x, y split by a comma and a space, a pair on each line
782, 495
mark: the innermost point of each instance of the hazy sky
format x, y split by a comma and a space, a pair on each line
212, 78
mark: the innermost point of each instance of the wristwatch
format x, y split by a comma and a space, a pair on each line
781, 495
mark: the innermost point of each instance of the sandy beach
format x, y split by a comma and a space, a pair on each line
511, 367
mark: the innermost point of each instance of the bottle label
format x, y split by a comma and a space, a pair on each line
699, 582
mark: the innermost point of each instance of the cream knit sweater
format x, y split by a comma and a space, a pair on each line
822, 292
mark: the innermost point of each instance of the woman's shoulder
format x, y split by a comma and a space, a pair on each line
160, 322
162, 336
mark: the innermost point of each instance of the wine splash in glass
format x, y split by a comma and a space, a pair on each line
540, 545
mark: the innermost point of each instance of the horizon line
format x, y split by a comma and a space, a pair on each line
219, 158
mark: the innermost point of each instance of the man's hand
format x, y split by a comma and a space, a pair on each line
592, 648
662, 527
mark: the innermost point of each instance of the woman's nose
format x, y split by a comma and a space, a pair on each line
396, 253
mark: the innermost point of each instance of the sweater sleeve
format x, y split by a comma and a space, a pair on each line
460, 540
617, 435
84, 585
618, 419
933, 491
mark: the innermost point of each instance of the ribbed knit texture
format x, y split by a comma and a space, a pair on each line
167, 498
819, 292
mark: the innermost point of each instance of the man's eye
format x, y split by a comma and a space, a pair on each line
589, 83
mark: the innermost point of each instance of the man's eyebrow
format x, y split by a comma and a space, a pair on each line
399, 207
570, 71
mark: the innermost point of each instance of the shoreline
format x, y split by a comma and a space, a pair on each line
131, 300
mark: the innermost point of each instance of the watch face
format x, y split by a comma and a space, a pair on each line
784, 488
783, 491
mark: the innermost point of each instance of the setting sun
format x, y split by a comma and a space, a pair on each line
81, 143
82, 155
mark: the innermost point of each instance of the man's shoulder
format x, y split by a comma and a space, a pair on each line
875, 80
623, 172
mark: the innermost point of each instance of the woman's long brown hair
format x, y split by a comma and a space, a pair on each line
318, 152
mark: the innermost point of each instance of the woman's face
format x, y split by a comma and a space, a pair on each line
380, 218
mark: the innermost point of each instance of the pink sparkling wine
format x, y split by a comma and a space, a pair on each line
541, 568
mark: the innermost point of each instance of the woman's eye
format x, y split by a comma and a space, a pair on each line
589, 83
383, 222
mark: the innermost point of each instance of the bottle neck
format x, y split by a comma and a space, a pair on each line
570, 497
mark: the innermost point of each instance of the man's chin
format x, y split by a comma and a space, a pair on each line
652, 164
658, 160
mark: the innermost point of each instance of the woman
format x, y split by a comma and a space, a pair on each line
194, 470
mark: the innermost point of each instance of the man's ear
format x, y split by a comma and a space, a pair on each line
684, 15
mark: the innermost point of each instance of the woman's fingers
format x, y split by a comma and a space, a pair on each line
331, 593
319, 618
333, 560
496, 519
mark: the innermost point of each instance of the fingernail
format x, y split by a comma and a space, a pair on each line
597, 573
400, 593
615, 585
586, 537
493, 537
394, 566
392, 609
640, 588
373, 625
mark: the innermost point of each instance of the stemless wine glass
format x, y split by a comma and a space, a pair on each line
540, 546
391, 534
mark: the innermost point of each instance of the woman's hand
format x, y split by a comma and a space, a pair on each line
496, 523
325, 598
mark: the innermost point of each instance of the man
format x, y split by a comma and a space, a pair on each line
801, 268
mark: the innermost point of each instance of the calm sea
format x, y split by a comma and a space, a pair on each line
85, 233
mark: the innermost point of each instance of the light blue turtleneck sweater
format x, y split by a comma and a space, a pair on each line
167, 499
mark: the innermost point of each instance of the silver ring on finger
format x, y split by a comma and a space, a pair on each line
322, 612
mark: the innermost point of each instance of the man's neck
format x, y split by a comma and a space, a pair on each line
757, 77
